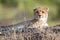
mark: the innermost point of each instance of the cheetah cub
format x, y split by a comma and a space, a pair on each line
40, 17
39, 21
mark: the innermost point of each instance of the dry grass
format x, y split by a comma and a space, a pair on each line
33, 34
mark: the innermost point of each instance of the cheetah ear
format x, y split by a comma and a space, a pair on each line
35, 9
47, 9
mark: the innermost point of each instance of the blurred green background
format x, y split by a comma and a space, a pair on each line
15, 11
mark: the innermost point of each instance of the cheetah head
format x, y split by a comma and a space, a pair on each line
41, 12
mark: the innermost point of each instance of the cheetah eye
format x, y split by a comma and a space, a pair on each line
42, 11
37, 12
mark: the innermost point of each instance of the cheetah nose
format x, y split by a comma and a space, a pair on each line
39, 15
